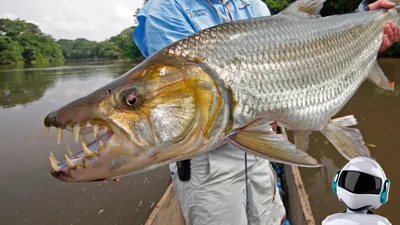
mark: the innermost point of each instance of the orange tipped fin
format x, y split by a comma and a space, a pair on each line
378, 77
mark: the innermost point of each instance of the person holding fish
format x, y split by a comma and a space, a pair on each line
217, 187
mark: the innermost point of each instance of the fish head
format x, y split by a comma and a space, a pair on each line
153, 115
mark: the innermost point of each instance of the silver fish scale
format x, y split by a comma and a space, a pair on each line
298, 71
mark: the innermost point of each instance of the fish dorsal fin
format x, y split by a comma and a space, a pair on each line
304, 8
363, 6
260, 138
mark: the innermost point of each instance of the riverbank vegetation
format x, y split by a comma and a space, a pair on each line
22, 42
120, 46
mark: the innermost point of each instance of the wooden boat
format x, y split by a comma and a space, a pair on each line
168, 211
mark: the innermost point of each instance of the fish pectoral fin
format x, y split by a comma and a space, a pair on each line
348, 141
269, 145
304, 8
302, 139
377, 77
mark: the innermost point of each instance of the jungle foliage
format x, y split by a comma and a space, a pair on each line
120, 46
22, 42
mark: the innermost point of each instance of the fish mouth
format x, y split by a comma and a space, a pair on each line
103, 135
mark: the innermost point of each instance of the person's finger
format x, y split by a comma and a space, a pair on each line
386, 4
389, 32
385, 43
396, 32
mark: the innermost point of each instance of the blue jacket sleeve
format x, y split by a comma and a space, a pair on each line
161, 22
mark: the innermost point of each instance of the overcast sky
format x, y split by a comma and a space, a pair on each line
91, 19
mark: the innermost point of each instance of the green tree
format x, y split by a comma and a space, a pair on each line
10, 51
108, 50
124, 40
120, 46
28, 43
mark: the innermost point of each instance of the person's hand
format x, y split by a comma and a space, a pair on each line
391, 30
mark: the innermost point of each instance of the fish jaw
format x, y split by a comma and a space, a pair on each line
155, 114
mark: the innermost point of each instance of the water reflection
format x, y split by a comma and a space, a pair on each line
20, 86
28, 193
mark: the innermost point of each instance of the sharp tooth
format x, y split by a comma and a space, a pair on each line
69, 162
47, 131
59, 135
54, 165
77, 128
84, 140
105, 129
101, 143
95, 130
69, 151
112, 139
86, 150
53, 158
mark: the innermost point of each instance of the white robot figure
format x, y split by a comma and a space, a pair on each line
361, 185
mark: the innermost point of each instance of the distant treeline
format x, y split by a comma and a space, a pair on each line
120, 46
22, 42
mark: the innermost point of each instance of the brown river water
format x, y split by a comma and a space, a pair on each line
30, 195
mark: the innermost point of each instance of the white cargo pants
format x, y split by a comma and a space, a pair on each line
216, 192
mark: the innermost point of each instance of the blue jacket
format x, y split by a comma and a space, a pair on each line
162, 22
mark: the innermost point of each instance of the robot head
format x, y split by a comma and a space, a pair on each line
361, 183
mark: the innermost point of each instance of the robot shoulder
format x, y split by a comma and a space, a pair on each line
355, 219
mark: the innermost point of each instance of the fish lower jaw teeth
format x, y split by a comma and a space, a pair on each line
86, 150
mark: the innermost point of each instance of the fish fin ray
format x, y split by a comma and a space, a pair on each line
363, 6
272, 146
261, 125
345, 121
348, 141
302, 139
377, 77
304, 8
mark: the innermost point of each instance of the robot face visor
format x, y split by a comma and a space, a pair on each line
360, 183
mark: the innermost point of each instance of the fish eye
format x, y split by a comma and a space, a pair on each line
131, 98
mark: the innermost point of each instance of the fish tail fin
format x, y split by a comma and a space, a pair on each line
348, 141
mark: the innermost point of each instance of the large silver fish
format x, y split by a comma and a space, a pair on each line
229, 84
